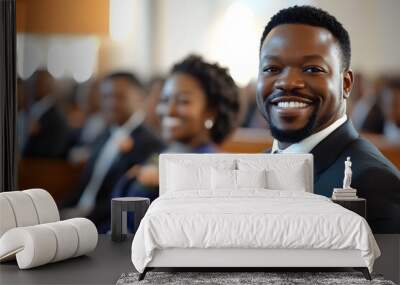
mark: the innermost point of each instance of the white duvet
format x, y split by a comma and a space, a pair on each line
252, 218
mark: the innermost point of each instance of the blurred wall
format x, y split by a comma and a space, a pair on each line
374, 32
62, 16
131, 50
148, 36
189, 26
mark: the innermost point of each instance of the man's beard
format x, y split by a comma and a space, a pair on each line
293, 136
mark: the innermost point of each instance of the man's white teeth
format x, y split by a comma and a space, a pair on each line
292, 104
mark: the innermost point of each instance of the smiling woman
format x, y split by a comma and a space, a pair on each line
202, 100
198, 109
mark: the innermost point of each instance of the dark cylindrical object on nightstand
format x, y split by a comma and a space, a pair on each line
119, 209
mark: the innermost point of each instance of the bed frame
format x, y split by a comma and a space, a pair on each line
246, 259
242, 259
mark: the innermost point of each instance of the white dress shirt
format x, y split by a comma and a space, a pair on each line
39, 108
307, 144
106, 158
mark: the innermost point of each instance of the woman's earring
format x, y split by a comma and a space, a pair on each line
208, 124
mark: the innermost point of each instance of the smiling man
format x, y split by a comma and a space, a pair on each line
303, 84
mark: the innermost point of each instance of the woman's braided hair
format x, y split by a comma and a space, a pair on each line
221, 92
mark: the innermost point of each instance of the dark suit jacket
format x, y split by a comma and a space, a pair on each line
52, 139
375, 178
145, 144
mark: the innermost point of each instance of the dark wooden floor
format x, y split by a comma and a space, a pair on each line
102, 266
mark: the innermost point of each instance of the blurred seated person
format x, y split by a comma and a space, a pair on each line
199, 108
124, 143
47, 127
22, 119
154, 88
391, 107
89, 100
364, 106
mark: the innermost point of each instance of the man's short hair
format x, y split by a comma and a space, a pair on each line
128, 76
313, 16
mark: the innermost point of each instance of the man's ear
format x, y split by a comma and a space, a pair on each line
348, 80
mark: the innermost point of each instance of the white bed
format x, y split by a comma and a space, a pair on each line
225, 210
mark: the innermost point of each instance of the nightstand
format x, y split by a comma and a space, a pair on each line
358, 205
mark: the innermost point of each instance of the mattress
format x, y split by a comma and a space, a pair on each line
250, 219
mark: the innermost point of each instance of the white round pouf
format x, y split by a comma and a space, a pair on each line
40, 244
7, 218
23, 208
33, 246
87, 234
45, 205
67, 240
31, 230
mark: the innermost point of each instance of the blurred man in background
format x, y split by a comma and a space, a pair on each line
22, 116
126, 142
364, 106
83, 137
391, 107
154, 89
47, 130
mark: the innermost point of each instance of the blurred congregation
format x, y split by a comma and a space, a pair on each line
87, 141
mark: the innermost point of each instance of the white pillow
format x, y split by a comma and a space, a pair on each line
183, 177
227, 179
251, 178
297, 181
283, 173
223, 179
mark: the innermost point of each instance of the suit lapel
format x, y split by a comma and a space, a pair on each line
328, 150
97, 147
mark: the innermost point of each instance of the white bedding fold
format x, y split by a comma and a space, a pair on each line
252, 218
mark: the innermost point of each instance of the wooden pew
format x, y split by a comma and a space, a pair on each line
258, 140
246, 140
58, 177
388, 149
